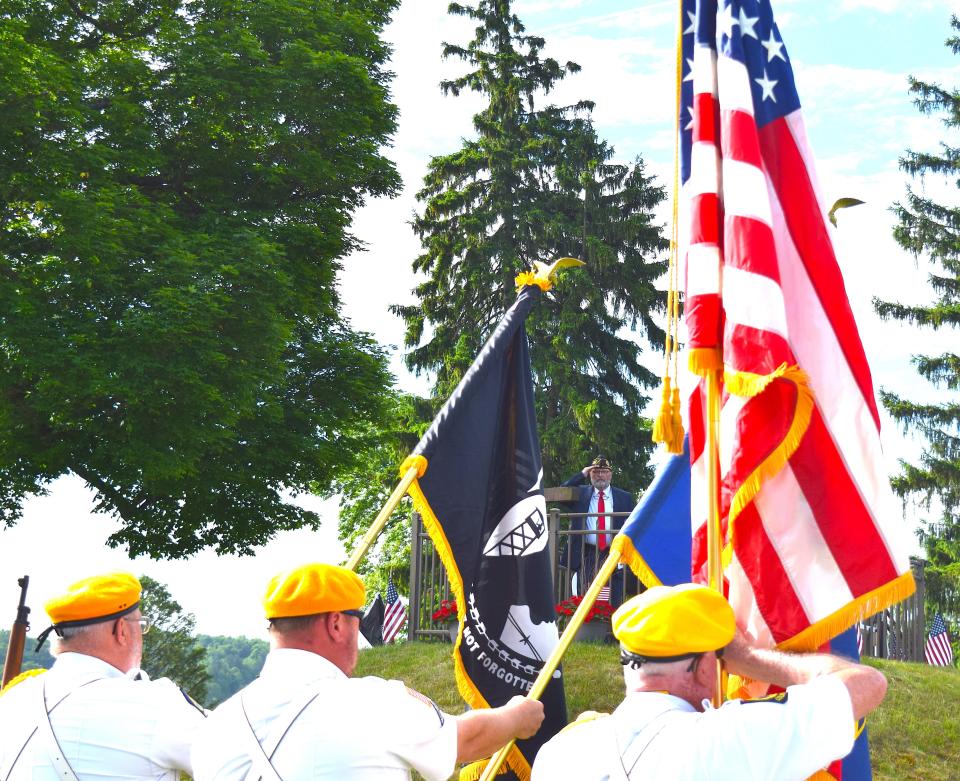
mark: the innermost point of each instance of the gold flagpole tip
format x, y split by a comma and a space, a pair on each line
544, 276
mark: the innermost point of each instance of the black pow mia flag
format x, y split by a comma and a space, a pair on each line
480, 495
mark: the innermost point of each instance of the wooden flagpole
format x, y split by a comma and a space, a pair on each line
553, 661
381, 520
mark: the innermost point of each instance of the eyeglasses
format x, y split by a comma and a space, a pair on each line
357, 613
144, 624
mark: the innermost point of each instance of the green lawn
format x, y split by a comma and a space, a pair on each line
914, 735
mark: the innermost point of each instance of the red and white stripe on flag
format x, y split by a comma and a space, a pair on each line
812, 533
604, 595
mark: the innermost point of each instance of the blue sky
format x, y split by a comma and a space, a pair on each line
851, 59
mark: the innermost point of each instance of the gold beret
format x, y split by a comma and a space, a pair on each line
98, 597
311, 589
674, 621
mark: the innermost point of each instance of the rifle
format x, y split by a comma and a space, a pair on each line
18, 635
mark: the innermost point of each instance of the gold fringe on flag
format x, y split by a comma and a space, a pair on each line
749, 385
703, 360
631, 556
862, 607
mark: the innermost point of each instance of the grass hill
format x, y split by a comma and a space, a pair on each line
914, 735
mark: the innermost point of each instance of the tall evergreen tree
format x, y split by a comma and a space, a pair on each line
932, 229
535, 184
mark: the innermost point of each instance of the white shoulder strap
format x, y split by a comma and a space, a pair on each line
625, 758
45, 730
261, 753
45, 733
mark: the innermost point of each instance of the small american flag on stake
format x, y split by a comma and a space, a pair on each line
938, 651
395, 615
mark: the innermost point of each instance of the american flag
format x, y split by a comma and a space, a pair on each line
604, 595
395, 615
938, 649
810, 526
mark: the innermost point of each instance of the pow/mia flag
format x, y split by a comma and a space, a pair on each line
481, 497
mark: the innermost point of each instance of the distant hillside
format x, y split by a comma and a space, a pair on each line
31, 659
231, 661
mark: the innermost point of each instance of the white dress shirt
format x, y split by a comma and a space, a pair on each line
113, 727
591, 539
655, 735
357, 728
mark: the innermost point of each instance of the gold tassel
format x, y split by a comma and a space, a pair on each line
676, 444
663, 422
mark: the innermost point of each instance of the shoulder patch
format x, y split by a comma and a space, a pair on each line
779, 697
584, 718
193, 702
426, 701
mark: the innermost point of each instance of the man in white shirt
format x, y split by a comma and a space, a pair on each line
94, 715
671, 638
305, 718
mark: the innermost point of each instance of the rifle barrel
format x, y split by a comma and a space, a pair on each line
18, 635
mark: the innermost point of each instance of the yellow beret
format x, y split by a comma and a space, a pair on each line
99, 597
667, 622
311, 589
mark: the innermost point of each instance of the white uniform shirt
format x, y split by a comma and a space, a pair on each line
591, 539
357, 728
659, 736
113, 728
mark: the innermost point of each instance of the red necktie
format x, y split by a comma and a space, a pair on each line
601, 524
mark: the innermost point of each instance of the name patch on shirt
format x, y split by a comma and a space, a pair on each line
780, 697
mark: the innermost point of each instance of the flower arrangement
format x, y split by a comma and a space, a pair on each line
599, 611
447, 610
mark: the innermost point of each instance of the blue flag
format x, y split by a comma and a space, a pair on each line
655, 540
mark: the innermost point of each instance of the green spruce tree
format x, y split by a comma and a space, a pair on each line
932, 230
536, 184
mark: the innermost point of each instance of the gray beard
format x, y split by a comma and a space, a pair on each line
600, 485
